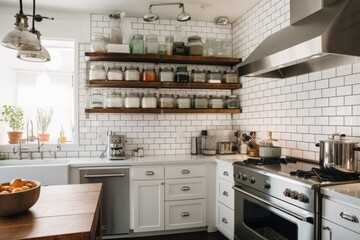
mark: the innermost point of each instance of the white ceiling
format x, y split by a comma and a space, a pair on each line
138, 8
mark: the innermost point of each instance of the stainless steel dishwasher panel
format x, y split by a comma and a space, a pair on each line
116, 197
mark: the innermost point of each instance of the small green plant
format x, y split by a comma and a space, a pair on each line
14, 116
43, 119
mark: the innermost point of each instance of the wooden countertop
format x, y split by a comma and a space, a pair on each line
62, 212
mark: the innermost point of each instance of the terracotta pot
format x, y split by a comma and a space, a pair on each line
14, 137
44, 137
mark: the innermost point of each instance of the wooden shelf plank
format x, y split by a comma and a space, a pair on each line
157, 110
226, 86
156, 58
123, 84
216, 111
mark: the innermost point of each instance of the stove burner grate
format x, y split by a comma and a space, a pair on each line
269, 161
320, 175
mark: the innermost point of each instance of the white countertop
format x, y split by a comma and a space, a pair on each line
349, 193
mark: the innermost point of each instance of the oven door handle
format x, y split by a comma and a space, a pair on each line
300, 217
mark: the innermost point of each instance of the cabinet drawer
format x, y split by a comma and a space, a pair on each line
333, 231
185, 171
341, 214
185, 214
181, 189
225, 220
225, 173
147, 172
225, 193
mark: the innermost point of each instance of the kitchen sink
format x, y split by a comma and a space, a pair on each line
48, 172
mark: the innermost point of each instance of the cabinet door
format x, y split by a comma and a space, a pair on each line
182, 189
148, 205
225, 192
332, 231
225, 220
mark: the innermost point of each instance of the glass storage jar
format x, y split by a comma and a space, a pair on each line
149, 100
137, 44
216, 101
97, 99
182, 75
151, 44
232, 101
169, 40
201, 102
132, 100
132, 74
183, 101
114, 100
179, 48
162, 49
213, 76
166, 74
115, 73
198, 75
230, 76
227, 47
97, 72
195, 46
166, 101
98, 43
148, 75
210, 47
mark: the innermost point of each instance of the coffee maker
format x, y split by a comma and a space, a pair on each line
116, 146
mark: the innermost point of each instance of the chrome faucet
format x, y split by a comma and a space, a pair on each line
22, 150
30, 138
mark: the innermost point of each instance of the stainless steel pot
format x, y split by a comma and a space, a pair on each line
270, 147
338, 153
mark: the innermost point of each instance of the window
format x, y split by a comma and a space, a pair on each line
42, 86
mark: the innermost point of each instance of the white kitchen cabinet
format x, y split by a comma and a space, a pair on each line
183, 189
332, 231
225, 199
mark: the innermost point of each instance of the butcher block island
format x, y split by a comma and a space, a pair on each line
62, 212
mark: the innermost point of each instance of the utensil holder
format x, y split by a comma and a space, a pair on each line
253, 152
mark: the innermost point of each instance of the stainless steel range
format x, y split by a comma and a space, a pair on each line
280, 199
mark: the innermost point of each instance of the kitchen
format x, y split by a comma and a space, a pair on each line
300, 111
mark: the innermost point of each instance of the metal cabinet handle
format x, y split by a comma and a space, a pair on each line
225, 193
149, 173
225, 173
185, 171
185, 188
103, 175
349, 217
224, 220
185, 214
328, 229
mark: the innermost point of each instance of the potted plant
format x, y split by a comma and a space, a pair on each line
43, 119
14, 116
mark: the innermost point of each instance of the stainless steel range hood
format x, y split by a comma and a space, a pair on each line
323, 34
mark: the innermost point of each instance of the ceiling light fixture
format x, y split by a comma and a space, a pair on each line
222, 20
182, 17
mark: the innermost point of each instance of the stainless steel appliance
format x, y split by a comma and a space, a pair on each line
218, 142
116, 197
116, 149
280, 198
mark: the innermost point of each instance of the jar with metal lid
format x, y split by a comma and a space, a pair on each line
98, 43
230, 76
149, 100
210, 47
169, 40
166, 101
151, 44
183, 101
195, 46
166, 74
232, 101
114, 100
148, 75
227, 47
97, 72
97, 99
182, 75
201, 102
198, 75
132, 100
132, 74
213, 76
216, 101
115, 73
179, 48
137, 44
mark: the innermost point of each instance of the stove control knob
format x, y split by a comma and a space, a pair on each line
303, 198
294, 195
267, 184
252, 180
287, 192
244, 177
237, 175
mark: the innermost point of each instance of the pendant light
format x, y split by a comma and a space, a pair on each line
182, 17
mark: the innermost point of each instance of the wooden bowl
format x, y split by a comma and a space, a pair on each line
15, 203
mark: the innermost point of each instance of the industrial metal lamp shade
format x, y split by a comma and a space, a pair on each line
34, 56
183, 16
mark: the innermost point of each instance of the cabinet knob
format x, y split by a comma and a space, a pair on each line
224, 220
185, 171
225, 173
185, 214
149, 173
185, 188
225, 193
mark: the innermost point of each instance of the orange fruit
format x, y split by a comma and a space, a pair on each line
16, 183
15, 190
29, 185
4, 192
25, 188
6, 188
24, 182
0, 187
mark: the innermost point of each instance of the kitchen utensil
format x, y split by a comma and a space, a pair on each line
225, 147
193, 145
269, 147
338, 153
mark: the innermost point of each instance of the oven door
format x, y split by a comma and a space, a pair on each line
259, 216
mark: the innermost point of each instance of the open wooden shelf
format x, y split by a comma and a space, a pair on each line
158, 110
157, 58
142, 84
